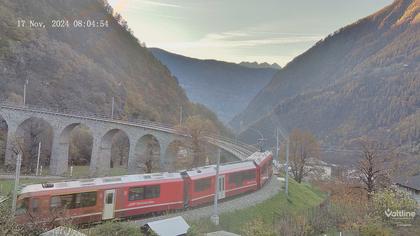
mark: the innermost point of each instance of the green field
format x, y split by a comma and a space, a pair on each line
301, 197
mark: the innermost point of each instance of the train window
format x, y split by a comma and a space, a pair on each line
87, 199
239, 177
22, 206
35, 205
109, 198
140, 193
72, 201
235, 179
55, 202
152, 192
135, 193
202, 184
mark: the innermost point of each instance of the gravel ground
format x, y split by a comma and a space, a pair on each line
268, 191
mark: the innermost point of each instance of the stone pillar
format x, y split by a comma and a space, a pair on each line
166, 164
133, 159
10, 158
59, 155
101, 157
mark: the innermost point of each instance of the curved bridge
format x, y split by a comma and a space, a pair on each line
103, 129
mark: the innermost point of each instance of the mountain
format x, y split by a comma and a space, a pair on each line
260, 65
362, 80
225, 88
82, 61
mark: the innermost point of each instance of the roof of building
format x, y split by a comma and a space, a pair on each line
62, 231
412, 182
317, 162
221, 233
169, 227
100, 181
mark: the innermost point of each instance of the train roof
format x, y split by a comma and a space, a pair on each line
259, 157
224, 168
95, 182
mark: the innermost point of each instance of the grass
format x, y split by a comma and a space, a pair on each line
301, 196
6, 185
83, 171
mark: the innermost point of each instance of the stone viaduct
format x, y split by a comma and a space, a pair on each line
102, 130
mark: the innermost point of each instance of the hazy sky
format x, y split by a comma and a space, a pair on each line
240, 30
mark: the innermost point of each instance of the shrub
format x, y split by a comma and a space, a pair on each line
374, 229
257, 228
113, 228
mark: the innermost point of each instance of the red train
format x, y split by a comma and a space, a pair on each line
94, 200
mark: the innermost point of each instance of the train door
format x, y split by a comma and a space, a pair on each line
221, 187
109, 204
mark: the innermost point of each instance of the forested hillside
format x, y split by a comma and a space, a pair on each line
82, 68
225, 88
363, 80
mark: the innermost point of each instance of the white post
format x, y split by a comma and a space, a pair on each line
112, 108
24, 92
215, 217
39, 156
71, 171
17, 175
40, 171
287, 168
277, 143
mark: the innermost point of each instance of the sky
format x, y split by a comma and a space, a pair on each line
240, 30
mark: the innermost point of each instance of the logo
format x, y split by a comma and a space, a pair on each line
400, 214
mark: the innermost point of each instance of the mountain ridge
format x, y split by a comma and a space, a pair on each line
224, 87
360, 80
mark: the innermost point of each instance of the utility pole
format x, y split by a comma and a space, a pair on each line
24, 92
112, 108
180, 115
286, 166
277, 143
215, 217
18, 163
37, 162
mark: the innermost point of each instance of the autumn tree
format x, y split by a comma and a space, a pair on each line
29, 135
197, 128
120, 150
303, 148
392, 199
150, 157
80, 146
373, 166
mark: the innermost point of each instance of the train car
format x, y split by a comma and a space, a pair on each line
264, 163
94, 200
98, 199
234, 179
